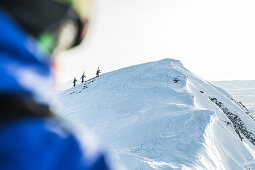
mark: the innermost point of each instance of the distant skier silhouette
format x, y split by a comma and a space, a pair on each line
98, 72
74, 81
83, 77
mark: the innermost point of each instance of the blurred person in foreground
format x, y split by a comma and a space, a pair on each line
30, 137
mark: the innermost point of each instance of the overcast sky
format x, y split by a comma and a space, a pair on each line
215, 39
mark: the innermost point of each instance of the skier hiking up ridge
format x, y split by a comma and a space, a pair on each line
74, 81
31, 32
83, 77
98, 72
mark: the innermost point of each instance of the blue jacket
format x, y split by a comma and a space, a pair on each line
30, 143
41, 144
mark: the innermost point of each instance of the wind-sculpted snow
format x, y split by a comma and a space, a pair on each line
158, 115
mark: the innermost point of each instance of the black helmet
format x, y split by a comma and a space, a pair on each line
56, 24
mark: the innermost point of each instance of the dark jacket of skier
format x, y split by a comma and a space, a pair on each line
74, 81
83, 77
98, 72
30, 137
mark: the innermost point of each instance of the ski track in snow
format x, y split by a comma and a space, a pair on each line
158, 115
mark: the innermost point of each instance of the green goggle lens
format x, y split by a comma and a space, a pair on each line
47, 41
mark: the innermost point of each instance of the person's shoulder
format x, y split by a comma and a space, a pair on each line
33, 131
43, 142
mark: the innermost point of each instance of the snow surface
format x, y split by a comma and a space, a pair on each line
159, 115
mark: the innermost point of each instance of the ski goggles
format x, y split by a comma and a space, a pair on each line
72, 28
56, 24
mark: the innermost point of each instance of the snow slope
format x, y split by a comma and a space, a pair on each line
159, 115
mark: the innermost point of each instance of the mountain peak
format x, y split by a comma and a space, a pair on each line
159, 115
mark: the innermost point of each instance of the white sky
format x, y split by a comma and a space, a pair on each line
215, 39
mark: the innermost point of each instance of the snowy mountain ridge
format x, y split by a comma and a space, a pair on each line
159, 115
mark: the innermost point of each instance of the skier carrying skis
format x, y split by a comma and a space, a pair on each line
98, 72
31, 137
83, 77
74, 81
